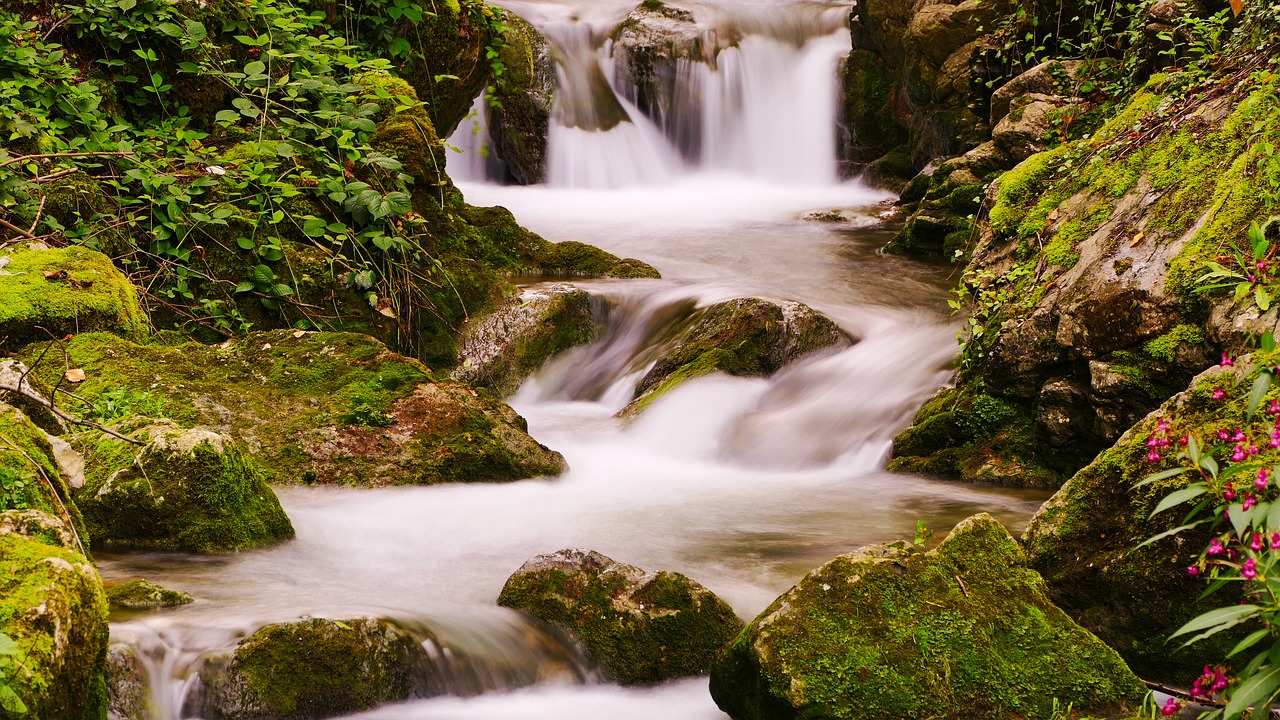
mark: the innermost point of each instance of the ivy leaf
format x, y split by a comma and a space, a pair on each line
282, 290
226, 116
246, 243
196, 30
398, 203
263, 275
169, 29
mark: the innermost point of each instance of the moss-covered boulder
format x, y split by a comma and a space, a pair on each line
503, 348
186, 489
965, 630
641, 627
1086, 540
29, 475
138, 593
746, 337
518, 122
332, 408
52, 292
52, 606
314, 668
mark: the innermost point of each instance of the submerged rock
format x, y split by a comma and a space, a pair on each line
186, 489
332, 408
139, 593
747, 337
503, 348
314, 669
965, 630
641, 627
50, 292
52, 606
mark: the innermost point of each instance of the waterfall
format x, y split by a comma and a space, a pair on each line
752, 91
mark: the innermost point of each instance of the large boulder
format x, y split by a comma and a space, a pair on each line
746, 337
52, 606
333, 408
48, 293
315, 668
186, 489
503, 348
641, 627
1087, 540
965, 630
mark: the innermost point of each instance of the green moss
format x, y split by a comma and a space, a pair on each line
64, 291
1063, 249
27, 458
898, 634
142, 594
52, 605
1166, 346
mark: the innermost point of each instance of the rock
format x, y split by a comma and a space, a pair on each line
870, 130
503, 348
187, 489
1087, 542
57, 292
52, 606
642, 627
314, 669
40, 525
1024, 131
518, 122
139, 593
29, 395
747, 337
331, 408
1052, 77
965, 629
127, 697
450, 63
29, 476
649, 45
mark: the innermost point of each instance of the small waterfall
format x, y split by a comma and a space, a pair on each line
474, 159
752, 91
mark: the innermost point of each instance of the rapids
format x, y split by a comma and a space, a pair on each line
742, 484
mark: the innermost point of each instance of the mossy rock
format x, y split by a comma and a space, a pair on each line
1087, 541
503, 348
61, 291
330, 408
746, 337
186, 489
642, 628
127, 695
138, 593
965, 630
314, 668
518, 122
29, 475
449, 65
52, 606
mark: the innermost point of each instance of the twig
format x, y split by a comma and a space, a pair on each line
44, 156
17, 229
39, 213
963, 589
70, 418
1175, 692
60, 174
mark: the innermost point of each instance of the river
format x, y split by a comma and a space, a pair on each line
742, 484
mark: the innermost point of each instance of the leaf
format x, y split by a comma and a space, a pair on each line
263, 275
313, 227
1219, 619
1273, 517
1248, 642
169, 29
1137, 238
1240, 518
1262, 298
245, 286
1178, 497
74, 375
281, 290
1237, 7
1173, 472
1268, 341
1261, 686
255, 68
271, 254
246, 243
1168, 533
1261, 385
196, 30
398, 202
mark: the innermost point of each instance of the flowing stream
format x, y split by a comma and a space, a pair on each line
742, 484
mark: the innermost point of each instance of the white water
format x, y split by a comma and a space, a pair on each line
743, 484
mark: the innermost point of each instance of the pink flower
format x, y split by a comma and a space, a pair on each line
1273, 408
1229, 494
1215, 547
1253, 278
1249, 501
1261, 481
1250, 569
1217, 394
1275, 541
1255, 542
1226, 360
1153, 457
1238, 454
1239, 436
1193, 570
1172, 707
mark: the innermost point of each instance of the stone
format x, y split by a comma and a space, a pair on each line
127, 696
189, 489
642, 627
1025, 131
1052, 77
518, 122
966, 630
138, 593
52, 606
29, 476
500, 350
40, 525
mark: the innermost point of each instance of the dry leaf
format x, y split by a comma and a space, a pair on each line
266, 346
1237, 7
299, 333
387, 311
1137, 239
55, 274
1053, 216
74, 375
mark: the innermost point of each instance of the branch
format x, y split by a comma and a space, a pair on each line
69, 418
43, 156
17, 229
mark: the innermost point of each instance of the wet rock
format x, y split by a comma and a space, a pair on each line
29, 395
518, 122
52, 606
331, 408
1052, 77
642, 627
1087, 541
138, 593
503, 348
747, 337
127, 697
649, 45
187, 489
56, 292
314, 669
894, 631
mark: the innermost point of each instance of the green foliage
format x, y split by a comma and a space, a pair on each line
120, 402
14, 488
10, 661
1247, 271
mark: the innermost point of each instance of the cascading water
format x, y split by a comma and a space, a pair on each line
742, 484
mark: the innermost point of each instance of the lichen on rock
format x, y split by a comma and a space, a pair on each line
641, 627
965, 630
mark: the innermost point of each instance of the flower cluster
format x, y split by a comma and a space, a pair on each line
1210, 684
1171, 707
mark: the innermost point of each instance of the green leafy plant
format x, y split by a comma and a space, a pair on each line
1246, 271
15, 489
120, 402
10, 661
